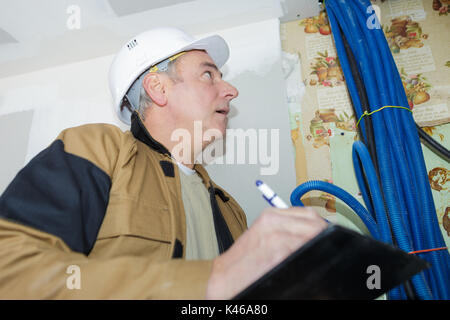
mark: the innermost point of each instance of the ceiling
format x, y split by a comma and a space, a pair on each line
45, 33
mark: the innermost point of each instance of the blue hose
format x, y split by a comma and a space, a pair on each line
430, 218
404, 199
362, 52
339, 193
399, 214
361, 153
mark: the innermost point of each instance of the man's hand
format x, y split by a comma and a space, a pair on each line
273, 237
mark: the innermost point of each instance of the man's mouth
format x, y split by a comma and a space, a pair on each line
223, 111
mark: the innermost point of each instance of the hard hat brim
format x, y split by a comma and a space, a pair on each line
214, 45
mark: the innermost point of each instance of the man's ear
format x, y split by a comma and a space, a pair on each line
154, 85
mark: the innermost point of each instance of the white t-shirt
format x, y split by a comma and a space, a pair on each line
201, 240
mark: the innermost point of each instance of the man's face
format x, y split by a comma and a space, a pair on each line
201, 94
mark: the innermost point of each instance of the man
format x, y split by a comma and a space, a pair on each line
132, 218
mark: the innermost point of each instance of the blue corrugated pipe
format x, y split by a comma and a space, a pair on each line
400, 215
388, 153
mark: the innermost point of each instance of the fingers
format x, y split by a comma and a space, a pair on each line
297, 221
305, 212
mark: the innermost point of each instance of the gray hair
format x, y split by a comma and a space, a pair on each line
144, 100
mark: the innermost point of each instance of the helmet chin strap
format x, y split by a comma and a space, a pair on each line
133, 94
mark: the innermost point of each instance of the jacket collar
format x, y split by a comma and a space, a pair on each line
141, 133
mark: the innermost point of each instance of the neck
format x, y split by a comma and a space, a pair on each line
178, 141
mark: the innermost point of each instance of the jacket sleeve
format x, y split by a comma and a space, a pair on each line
50, 216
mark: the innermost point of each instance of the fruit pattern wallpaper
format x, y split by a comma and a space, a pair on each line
322, 121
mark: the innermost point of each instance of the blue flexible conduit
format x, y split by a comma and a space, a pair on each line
400, 205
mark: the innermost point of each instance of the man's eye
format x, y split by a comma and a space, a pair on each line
209, 73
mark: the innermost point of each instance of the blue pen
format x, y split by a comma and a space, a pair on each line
271, 197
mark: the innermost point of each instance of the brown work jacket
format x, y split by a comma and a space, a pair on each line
99, 215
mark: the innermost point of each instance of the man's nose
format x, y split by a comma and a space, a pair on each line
229, 91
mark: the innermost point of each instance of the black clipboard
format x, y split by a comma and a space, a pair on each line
336, 264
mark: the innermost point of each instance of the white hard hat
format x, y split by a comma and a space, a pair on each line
148, 49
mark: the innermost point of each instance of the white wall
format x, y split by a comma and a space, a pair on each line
78, 93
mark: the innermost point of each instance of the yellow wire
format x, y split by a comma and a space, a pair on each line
370, 113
